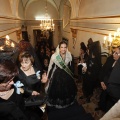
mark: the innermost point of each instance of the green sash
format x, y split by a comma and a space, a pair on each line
61, 62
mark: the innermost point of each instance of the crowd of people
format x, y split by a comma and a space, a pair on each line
89, 65
93, 74
51, 71
30, 75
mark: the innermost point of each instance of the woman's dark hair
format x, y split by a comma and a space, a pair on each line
63, 42
26, 54
8, 70
90, 41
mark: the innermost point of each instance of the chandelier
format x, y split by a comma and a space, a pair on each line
6, 44
112, 40
47, 23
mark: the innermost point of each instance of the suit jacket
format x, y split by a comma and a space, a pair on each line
106, 70
115, 75
114, 81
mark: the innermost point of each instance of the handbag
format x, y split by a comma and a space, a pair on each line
36, 100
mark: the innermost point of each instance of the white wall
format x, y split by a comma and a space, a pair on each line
5, 8
95, 19
91, 8
21, 13
9, 21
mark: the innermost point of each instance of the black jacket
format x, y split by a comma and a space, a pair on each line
106, 70
114, 82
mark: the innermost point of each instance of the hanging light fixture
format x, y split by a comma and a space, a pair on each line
47, 23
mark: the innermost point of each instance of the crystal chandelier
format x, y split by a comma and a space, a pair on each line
108, 41
47, 23
112, 40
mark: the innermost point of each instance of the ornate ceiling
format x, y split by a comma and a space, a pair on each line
54, 3
55, 8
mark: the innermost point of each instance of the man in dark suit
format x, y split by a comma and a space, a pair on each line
114, 80
113, 87
104, 103
103, 77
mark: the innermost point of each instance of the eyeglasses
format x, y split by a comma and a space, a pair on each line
115, 53
9, 80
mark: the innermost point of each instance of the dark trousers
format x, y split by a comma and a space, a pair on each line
106, 101
103, 100
88, 86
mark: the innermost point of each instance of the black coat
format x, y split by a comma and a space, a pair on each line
106, 70
114, 82
12, 108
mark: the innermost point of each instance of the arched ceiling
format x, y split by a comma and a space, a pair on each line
54, 3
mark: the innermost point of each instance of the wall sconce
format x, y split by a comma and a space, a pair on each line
9, 43
111, 40
74, 36
107, 41
8, 49
6, 44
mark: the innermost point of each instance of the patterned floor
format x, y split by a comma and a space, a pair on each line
90, 107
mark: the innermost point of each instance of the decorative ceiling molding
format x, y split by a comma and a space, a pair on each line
97, 17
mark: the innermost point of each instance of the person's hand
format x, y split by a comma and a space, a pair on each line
84, 69
21, 90
35, 93
103, 86
44, 78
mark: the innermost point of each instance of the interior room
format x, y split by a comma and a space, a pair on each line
75, 21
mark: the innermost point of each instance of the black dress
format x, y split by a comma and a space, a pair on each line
62, 91
31, 83
90, 77
12, 108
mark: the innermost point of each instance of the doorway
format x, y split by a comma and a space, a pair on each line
43, 36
